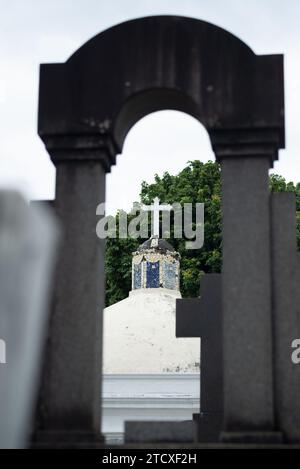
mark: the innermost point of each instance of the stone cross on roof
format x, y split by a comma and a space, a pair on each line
156, 209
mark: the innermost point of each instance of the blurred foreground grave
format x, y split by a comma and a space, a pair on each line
28, 239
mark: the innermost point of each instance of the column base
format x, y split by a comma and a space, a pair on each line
139, 432
254, 437
209, 426
67, 440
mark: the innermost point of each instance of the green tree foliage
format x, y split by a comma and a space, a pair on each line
278, 184
197, 182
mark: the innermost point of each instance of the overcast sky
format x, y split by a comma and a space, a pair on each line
37, 31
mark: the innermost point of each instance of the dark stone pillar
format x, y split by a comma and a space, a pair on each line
246, 291
70, 403
286, 296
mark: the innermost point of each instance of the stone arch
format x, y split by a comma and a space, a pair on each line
86, 107
154, 63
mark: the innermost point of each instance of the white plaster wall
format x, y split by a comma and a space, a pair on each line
139, 336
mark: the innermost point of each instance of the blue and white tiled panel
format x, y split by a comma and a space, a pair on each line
169, 275
137, 276
156, 274
152, 274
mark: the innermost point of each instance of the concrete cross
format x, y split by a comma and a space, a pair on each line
156, 209
202, 317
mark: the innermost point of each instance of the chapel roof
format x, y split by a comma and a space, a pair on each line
156, 243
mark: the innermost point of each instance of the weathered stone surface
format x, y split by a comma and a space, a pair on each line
148, 432
286, 313
252, 438
28, 238
70, 397
202, 317
209, 426
246, 290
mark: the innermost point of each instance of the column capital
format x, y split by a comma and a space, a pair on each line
75, 148
245, 143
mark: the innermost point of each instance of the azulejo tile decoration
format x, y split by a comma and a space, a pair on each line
154, 268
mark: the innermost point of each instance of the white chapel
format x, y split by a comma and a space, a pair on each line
149, 374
